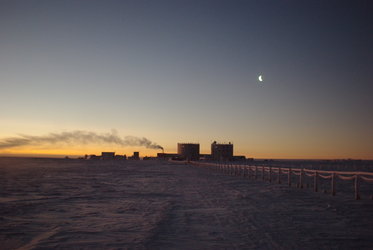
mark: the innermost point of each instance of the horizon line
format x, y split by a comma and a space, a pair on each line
61, 156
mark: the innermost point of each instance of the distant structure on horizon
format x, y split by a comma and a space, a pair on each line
188, 151
107, 155
221, 152
136, 156
168, 156
185, 151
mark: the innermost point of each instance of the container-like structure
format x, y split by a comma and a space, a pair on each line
107, 155
136, 155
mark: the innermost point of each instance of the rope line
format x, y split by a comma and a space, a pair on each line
310, 175
346, 178
325, 176
370, 180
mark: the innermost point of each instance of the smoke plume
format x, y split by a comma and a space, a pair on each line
77, 137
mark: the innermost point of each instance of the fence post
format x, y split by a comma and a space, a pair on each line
270, 174
289, 177
279, 175
333, 184
315, 182
357, 194
301, 178
256, 172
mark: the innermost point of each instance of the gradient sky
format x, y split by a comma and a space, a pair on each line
186, 71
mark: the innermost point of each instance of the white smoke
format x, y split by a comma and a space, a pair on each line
77, 137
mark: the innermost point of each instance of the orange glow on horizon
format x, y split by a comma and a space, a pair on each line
153, 152
80, 152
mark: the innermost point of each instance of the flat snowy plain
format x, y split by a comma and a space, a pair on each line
78, 204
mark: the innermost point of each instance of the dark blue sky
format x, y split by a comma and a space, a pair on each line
187, 70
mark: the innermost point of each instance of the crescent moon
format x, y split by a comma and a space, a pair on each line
260, 78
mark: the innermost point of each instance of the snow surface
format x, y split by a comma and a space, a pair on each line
78, 204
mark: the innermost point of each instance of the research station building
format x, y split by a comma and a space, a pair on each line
221, 152
188, 151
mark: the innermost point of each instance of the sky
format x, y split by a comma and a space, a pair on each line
187, 71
